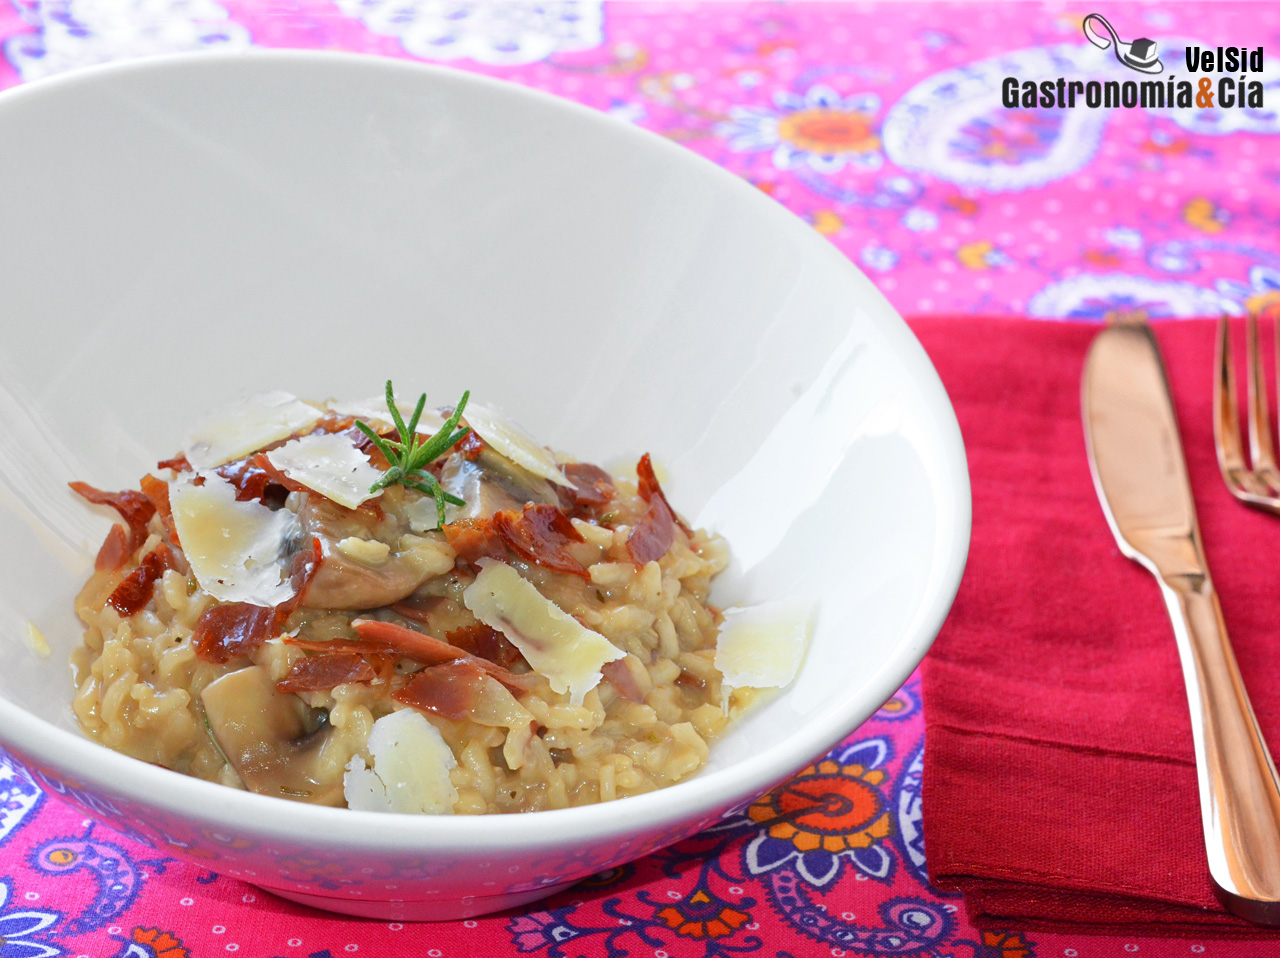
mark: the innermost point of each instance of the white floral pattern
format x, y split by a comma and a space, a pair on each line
754, 129
79, 33
19, 796
19, 928
496, 33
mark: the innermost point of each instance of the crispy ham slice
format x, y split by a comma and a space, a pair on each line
139, 586
134, 508
656, 531
322, 672
428, 650
450, 689
234, 630
541, 534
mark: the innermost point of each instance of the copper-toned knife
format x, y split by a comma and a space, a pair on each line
1141, 477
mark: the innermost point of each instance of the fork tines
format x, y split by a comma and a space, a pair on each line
1255, 481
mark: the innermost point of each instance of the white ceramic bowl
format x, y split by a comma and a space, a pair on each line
180, 232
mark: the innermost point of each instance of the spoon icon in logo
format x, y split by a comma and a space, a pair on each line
1139, 55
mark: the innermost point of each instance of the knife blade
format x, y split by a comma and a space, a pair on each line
1140, 474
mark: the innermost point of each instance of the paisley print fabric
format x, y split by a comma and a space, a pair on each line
879, 124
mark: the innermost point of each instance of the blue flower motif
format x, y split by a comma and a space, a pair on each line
1173, 257
820, 129
879, 258
1124, 237
1260, 292
920, 220
17, 929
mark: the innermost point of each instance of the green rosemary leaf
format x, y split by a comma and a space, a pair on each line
408, 457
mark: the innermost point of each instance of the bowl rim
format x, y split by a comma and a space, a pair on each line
101, 769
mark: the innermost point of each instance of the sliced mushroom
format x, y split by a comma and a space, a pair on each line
491, 483
271, 738
344, 581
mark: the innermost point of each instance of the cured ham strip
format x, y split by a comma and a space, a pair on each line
541, 534
158, 492
320, 672
229, 631
487, 643
617, 674
235, 629
115, 549
475, 539
140, 585
252, 481
134, 508
649, 490
260, 461
592, 490
429, 650
178, 463
654, 533
450, 689
303, 566
358, 646
471, 445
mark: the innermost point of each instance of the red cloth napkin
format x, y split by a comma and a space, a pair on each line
1060, 787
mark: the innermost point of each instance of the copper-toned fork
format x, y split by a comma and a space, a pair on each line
1256, 480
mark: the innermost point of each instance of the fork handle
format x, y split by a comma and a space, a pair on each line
1239, 790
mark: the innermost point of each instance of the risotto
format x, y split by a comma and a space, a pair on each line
363, 605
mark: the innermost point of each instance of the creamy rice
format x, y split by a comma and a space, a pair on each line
646, 725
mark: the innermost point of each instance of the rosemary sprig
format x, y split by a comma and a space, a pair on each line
409, 455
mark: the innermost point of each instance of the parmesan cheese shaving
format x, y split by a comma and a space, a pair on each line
410, 772
331, 464
510, 441
234, 548
762, 646
553, 642
245, 427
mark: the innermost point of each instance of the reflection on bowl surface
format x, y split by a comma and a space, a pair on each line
199, 229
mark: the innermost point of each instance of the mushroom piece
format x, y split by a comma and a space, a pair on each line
344, 580
492, 483
270, 737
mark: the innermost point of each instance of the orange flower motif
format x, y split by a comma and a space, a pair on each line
701, 915
1126, 314
1264, 305
1162, 144
820, 128
896, 705
161, 943
827, 132
827, 222
1201, 213
1102, 257
827, 806
1009, 944
963, 205
979, 255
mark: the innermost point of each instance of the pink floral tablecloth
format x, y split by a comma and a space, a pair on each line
881, 125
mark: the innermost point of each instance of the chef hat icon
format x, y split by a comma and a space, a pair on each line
1140, 55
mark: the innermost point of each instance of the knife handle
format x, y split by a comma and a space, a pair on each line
1239, 791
